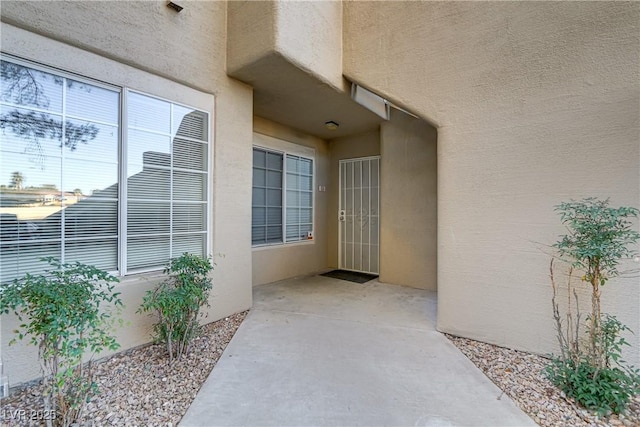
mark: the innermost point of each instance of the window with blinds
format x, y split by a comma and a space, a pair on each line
166, 181
266, 220
299, 198
282, 207
65, 191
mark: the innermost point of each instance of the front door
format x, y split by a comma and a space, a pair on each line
359, 215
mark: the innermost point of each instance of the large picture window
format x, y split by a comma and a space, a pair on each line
282, 208
78, 185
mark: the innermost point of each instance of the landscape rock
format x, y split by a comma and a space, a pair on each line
138, 387
520, 375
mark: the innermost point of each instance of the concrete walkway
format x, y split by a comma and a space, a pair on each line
324, 352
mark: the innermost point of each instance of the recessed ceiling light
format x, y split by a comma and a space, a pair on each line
331, 125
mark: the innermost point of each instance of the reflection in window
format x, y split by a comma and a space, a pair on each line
299, 198
166, 181
59, 188
266, 219
268, 224
59, 160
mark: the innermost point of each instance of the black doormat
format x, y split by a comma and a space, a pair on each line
351, 276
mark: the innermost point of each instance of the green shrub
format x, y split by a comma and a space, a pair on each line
176, 302
63, 312
591, 369
599, 238
602, 389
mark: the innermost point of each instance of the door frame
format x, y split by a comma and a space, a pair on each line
340, 163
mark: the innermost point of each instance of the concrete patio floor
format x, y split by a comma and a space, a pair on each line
317, 351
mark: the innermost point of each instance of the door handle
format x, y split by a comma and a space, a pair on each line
341, 215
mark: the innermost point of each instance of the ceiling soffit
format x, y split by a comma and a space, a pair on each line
286, 94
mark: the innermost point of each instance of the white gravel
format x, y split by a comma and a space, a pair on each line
138, 387
519, 375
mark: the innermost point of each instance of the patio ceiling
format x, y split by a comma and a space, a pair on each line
291, 96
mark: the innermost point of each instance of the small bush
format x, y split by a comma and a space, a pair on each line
603, 389
63, 311
590, 368
177, 301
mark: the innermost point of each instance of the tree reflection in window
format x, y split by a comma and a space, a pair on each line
60, 148
24, 87
57, 136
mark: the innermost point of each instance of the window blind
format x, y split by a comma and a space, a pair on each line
61, 193
282, 207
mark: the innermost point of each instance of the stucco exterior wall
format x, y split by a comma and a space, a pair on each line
251, 32
535, 103
145, 34
307, 34
408, 202
310, 35
350, 147
277, 262
97, 39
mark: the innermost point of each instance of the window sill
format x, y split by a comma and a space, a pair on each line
142, 277
283, 245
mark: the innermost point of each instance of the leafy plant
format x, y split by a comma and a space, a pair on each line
602, 389
176, 302
599, 238
62, 312
591, 370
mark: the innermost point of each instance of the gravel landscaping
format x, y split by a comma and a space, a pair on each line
139, 387
519, 375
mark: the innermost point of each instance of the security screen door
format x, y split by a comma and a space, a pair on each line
359, 215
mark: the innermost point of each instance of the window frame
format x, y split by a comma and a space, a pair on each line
299, 175
287, 148
123, 91
123, 189
268, 151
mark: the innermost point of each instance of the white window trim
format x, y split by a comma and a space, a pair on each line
149, 85
122, 189
280, 146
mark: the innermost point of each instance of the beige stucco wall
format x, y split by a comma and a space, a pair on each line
277, 262
351, 147
308, 34
535, 103
250, 32
96, 39
408, 202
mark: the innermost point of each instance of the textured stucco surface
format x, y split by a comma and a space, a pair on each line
310, 35
277, 262
350, 147
307, 34
99, 37
408, 202
291, 54
535, 103
146, 34
251, 32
